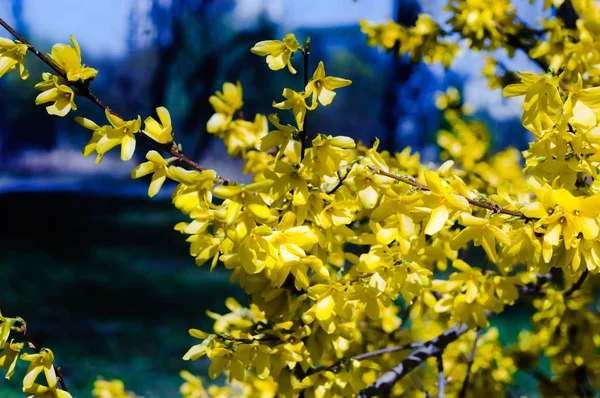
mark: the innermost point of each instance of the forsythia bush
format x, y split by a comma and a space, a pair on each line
359, 263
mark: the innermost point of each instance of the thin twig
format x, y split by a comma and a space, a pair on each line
434, 347
83, 89
441, 377
493, 207
577, 285
470, 360
303, 133
336, 366
340, 182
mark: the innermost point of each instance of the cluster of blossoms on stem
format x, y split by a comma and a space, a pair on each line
352, 256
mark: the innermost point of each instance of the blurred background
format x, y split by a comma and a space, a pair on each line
86, 257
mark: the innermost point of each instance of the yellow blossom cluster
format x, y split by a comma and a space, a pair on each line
360, 265
40, 360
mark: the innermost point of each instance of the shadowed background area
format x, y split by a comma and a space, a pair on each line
92, 263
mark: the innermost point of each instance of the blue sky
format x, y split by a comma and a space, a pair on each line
101, 26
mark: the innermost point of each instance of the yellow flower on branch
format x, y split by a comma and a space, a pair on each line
482, 232
69, 59
39, 391
321, 87
56, 89
159, 132
562, 215
98, 133
155, 165
442, 201
11, 54
5, 325
279, 53
122, 132
296, 102
225, 103
41, 361
9, 355
542, 101
245, 196
279, 137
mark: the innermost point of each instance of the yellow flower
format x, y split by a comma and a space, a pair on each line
327, 153
225, 104
41, 361
40, 391
482, 232
5, 325
155, 165
245, 196
122, 132
193, 387
99, 132
562, 215
279, 137
296, 102
542, 101
444, 202
111, 389
384, 35
321, 87
9, 355
159, 132
11, 54
56, 89
279, 53
69, 59
289, 179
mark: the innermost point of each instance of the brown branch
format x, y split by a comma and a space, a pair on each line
493, 207
83, 89
577, 285
339, 364
340, 182
303, 134
38, 349
470, 360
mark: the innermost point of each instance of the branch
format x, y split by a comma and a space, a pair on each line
336, 366
435, 347
493, 207
340, 182
441, 377
577, 285
463, 389
303, 134
83, 89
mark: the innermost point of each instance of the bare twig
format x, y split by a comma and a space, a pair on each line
463, 389
441, 377
435, 347
340, 182
83, 89
493, 207
336, 366
303, 134
577, 285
